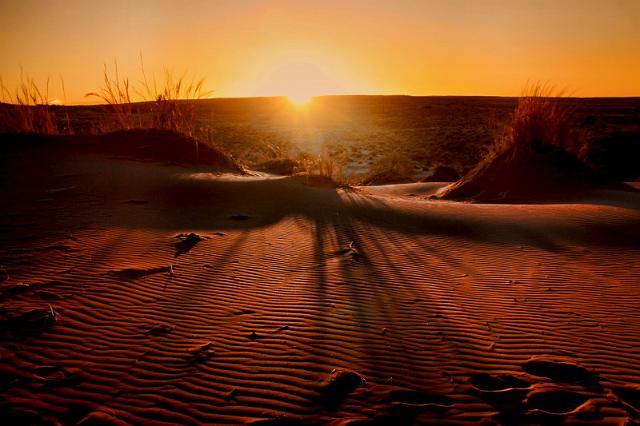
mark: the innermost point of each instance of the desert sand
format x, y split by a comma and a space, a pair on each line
301, 303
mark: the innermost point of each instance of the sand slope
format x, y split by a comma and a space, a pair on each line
306, 305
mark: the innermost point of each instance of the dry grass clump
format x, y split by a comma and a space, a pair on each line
163, 105
282, 166
323, 165
169, 105
28, 108
537, 156
116, 93
392, 168
541, 119
320, 170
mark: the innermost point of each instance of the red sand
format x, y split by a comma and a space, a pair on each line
428, 311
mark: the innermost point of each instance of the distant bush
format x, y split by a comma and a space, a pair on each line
392, 168
285, 166
443, 174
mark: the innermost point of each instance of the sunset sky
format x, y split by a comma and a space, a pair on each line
305, 48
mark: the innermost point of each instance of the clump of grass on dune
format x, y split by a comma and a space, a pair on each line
322, 169
536, 157
394, 167
169, 103
27, 109
153, 104
116, 93
541, 119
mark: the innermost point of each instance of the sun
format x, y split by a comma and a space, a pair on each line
299, 99
297, 80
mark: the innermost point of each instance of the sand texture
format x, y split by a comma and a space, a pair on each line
138, 292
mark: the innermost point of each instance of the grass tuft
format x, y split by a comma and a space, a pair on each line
28, 108
116, 93
541, 119
169, 105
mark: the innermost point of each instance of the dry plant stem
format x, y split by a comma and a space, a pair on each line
116, 93
30, 110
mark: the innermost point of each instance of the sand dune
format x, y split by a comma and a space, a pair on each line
298, 304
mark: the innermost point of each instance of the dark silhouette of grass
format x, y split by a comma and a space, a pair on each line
541, 119
116, 93
536, 157
29, 109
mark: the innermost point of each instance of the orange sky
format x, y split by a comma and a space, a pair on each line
304, 48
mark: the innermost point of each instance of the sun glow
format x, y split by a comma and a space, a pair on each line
300, 99
298, 77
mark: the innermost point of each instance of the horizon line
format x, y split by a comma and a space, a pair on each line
344, 95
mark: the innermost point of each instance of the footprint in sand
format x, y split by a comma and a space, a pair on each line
186, 243
58, 376
490, 383
23, 287
350, 251
500, 390
557, 402
159, 329
337, 386
396, 405
560, 371
28, 323
629, 397
201, 353
129, 274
